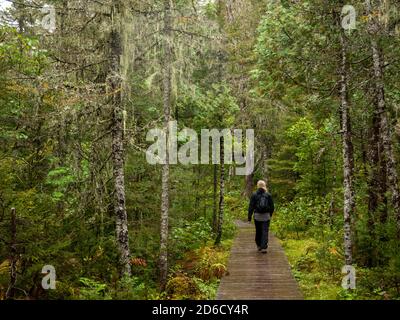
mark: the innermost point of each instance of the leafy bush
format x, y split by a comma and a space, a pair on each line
211, 263
182, 287
189, 235
303, 214
93, 290
130, 288
206, 290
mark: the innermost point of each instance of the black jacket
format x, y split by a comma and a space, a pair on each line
254, 200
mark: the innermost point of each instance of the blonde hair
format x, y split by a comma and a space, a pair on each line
262, 185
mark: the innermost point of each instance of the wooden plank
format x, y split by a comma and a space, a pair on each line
256, 276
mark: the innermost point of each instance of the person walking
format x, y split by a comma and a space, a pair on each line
262, 206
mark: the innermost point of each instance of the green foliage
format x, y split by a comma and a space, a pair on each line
56, 152
210, 264
302, 215
130, 288
314, 156
197, 275
206, 290
212, 108
21, 52
275, 71
181, 287
315, 282
190, 236
93, 290
313, 244
59, 178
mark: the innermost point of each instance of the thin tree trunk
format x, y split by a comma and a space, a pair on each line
215, 187
10, 294
364, 152
373, 198
249, 184
115, 83
377, 189
221, 22
221, 193
264, 166
332, 201
385, 130
348, 156
374, 183
383, 185
197, 197
167, 71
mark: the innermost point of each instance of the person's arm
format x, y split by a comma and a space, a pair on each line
251, 207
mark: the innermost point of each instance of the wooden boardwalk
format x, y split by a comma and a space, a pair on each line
256, 276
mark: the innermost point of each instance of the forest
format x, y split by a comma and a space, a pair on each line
84, 83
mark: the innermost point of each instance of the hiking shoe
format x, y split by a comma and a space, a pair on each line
263, 250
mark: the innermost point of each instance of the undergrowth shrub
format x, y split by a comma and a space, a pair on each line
189, 235
182, 287
93, 290
211, 263
301, 215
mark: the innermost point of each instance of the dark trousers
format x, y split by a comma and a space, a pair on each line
262, 230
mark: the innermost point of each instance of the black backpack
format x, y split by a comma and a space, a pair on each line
263, 205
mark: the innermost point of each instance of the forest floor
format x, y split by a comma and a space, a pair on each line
319, 274
315, 283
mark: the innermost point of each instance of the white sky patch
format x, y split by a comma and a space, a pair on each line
4, 4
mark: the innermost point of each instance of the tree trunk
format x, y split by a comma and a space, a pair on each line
167, 74
215, 187
249, 184
374, 185
385, 130
348, 156
221, 193
332, 201
115, 84
383, 188
373, 198
386, 133
10, 294
197, 197
266, 154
